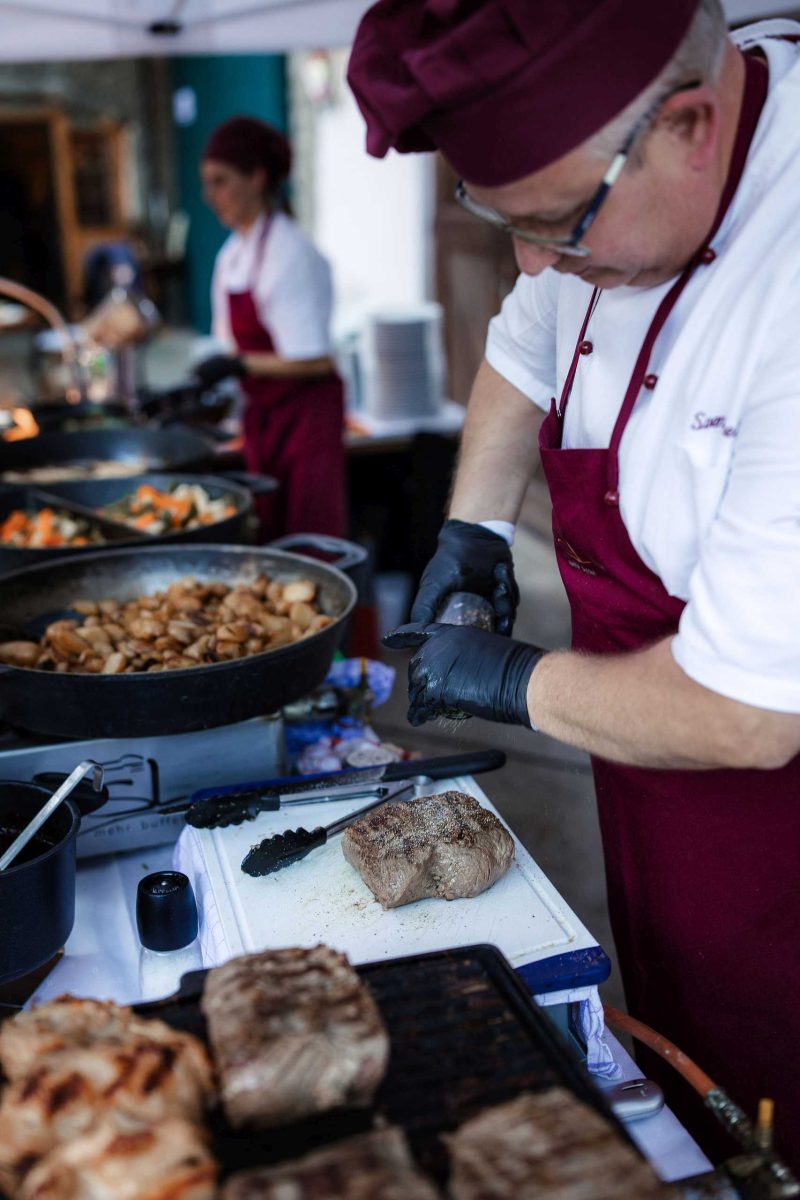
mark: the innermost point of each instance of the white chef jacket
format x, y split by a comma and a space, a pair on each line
291, 287
709, 464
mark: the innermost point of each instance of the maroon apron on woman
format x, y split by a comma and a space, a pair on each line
702, 866
293, 430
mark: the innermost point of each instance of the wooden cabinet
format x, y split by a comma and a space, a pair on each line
475, 271
67, 185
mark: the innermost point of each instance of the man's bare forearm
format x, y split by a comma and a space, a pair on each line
499, 448
640, 708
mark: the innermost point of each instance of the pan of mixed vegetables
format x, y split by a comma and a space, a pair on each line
38, 523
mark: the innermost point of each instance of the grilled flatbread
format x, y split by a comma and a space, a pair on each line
168, 1161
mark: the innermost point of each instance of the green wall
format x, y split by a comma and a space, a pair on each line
225, 86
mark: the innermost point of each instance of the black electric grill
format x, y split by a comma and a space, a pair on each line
465, 1035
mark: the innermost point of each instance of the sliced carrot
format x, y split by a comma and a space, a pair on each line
182, 509
144, 520
44, 523
146, 491
15, 522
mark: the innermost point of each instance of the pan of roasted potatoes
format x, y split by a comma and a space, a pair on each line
168, 639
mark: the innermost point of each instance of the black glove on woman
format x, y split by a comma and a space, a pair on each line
469, 558
218, 367
468, 670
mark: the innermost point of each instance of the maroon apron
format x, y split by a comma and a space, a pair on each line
293, 430
702, 866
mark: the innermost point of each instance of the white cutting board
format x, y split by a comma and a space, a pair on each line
323, 899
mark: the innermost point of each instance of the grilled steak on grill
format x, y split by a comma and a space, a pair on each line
294, 1032
445, 845
547, 1146
374, 1166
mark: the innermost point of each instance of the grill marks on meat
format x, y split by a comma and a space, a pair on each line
161, 1162
74, 1088
374, 1166
55, 1026
445, 845
547, 1146
72, 1063
294, 1032
67, 1023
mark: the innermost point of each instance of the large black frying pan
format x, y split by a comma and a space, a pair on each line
142, 704
83, 497
59, 416
158, 449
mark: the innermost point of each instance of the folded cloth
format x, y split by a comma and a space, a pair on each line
599, 1059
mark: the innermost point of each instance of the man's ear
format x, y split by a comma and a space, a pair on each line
692, 120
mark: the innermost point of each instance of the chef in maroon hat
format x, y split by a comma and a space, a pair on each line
647, 167
271, 300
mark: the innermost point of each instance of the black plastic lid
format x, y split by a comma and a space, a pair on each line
166, 912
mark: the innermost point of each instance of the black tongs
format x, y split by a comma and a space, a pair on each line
282, 849
232, 806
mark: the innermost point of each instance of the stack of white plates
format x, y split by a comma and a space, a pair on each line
403, 363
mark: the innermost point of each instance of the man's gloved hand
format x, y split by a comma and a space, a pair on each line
458, 669
218, 367
469, 558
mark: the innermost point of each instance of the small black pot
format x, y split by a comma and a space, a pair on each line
37, 897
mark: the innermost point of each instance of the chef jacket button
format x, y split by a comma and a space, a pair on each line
708, 255
612, 498
586, 347
650, 381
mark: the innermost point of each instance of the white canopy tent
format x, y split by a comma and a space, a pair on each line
36, 30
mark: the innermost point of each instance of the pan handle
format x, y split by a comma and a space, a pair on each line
336, 551
259, 485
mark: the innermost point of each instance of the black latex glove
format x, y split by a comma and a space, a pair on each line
469, 558
218, 367
458, 669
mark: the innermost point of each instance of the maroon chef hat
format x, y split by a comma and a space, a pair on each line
247, 144
504, 87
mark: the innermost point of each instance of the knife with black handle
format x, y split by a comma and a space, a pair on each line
231, 806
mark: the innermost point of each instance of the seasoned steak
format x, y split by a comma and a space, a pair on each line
547, 1146
294, 1032
373, 1166
445, 845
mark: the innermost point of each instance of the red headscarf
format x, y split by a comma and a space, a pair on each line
504, 87
247, 144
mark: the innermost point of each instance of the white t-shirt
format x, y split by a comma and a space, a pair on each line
292, 288
710, 460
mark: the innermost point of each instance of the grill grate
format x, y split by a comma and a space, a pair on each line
464, 1035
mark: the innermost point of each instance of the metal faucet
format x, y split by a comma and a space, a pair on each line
31, 299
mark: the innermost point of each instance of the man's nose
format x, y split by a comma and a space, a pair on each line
532, 259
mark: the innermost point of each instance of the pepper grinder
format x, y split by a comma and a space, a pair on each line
465, 608
166, 919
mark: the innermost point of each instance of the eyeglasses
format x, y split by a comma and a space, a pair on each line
571, 245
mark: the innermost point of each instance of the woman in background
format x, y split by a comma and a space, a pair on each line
271, 302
